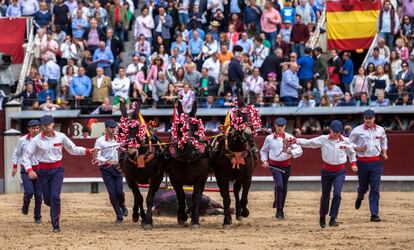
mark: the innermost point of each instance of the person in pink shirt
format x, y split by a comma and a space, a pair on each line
270, 21
402, 49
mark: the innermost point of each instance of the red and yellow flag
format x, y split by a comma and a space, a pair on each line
351, 24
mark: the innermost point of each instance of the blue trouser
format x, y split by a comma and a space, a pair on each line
329, 179
113, 182
51, 181
369, 176
299, 49
290, 101
389, 39
119, 32
281, 185
32, 187
271, 37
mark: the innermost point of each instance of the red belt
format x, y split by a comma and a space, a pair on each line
333, 168
34, 167
368, 159
49, 165
284, 163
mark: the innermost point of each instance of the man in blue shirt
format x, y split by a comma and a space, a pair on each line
45, 93
50, 72
103, 58
245, 43
14, 9
79, 25
306, 67
80, 89
195, 48
376, 58
290, 86
347, 72
252, 14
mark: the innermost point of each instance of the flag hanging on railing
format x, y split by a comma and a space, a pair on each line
351, 24
12, 32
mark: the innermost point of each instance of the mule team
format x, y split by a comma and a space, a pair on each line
134, 149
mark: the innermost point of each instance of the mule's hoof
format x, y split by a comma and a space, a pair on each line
195, 226
135, 219
226, 226
147, 226
239, 218
181, 222
245, 213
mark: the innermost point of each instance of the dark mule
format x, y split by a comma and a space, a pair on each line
188, 163
233, 159
142, 162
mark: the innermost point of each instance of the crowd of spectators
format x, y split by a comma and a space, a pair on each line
209, 51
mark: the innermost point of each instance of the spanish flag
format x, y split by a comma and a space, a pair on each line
351, 24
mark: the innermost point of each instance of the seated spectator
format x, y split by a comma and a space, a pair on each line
34, 79
402, 49
406, 75
142, 47
188, 97
207, 85
259, 103
224, 55
311, 126
363, 101
325, 102
381, 101
359, 84
347, 100
309, 87
396, 91
68, 76
120, 86
159, 89
29, 96
209, 103
307, 101
255, 85
212, 125
380, 82
331, 90
270, 87
170, 96
157, 66
63, 97
45, 93
192, 76
71, 63
101, 87
49, 106
105, 108
337, 98
227, 101
376, 58
404, 100
277, 102
140, 87
133, 68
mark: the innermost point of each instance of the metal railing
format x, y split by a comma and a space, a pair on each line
28, 54
371, 48
313, 41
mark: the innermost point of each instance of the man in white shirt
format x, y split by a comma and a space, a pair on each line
30, 187
107, 158
371, 143
213, 66
29, 7
120, 86
47, 146
335, 150
144, 25
255, 85
133, 68
260, 52
277, 151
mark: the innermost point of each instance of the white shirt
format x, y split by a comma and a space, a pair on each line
375, 139
69, 50
132, 71
107, 154
20, 150
49, 149
144, 25
273, 150
259, 55
121, 87
99, 80
255, 84
213, 67
334, 152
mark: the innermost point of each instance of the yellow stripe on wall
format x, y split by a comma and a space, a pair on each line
351, 24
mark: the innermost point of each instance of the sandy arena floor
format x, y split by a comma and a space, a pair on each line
87, 223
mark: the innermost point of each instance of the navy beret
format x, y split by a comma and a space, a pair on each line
33, 123
111, 124
336, 126
280, 121
46, 120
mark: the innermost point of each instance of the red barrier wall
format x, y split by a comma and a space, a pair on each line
2, 128
400, 162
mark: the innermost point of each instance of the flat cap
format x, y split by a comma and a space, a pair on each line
46, 120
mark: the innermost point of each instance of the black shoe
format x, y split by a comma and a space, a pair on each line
38, 221
375, 218
333, 223
358, 203
124, 211
322, 222
25, 210
280, 215
56, 229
